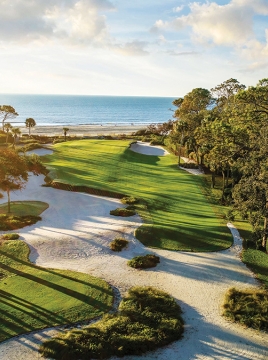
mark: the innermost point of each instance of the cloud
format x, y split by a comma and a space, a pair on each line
178, 9
133, 48
223, 25
181, 53
76, 21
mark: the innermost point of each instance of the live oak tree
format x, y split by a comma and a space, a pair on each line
14, 170
7, 112
7, 128
15, 133
30, 122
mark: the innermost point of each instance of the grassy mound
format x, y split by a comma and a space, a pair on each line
34, 298
173, 200
147, 319
11, 236
23, 213
247, 307
118, 244
122, 212
144, 262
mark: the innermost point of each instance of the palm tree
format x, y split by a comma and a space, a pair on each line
30, 122
65, 130
7, 127
16, 132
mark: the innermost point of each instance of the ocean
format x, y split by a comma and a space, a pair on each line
63, 110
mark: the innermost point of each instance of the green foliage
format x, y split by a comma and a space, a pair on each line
34, 298
31, 146
11, 236
148, 319
247, 307
190, 165
122, 212
12, 222
130, 200
173, 201
118, 244
144, 262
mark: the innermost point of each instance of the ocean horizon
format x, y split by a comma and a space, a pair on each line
60, 110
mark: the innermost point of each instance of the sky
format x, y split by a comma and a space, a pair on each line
134, 48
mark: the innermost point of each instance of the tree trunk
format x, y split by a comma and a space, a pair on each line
223, 181
213, 180
265, 228
227, 177
8, 201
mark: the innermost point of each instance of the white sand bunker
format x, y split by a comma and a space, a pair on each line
147, 149
40, 152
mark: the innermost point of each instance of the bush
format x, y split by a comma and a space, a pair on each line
190, 166
247, 307
130, 200
11, 236
144, 262
12, 222
147, 319
122, 212
118, 244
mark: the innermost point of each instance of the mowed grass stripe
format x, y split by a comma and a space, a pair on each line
33, 298
182, 217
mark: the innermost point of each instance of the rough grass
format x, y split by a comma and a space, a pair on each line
122, 212
20, 208
247, 307
118, 244
34, 298
11, 236
174, 203
144, 261
147, 319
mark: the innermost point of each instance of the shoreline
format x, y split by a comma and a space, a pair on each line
83, 130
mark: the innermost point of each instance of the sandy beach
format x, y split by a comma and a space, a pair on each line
77, 238
83, 130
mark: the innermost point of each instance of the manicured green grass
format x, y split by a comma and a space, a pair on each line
20, 208
147, 319
247, 307
175, 204
33, 298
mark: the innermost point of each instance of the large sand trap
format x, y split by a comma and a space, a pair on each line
75, 233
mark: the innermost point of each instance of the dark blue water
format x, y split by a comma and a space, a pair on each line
79, 110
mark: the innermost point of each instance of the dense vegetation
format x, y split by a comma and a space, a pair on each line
34, 298
247, 307
174, 207
118, 244
144, 261
147, 319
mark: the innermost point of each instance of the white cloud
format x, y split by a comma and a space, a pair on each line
77, 21
228, 25
133, 48
178, 9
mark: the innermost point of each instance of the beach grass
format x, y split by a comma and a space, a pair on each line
179, 215
33, 298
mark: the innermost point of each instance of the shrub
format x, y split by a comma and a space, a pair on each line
118, 244
190, 166
247, 307
12, 222
130, 200
148, 319
11, 236
144, 262
31, 146
122, 212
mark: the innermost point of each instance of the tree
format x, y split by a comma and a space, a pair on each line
7, 127
30, 122
65, 130
15, 132
7, 112
14, 170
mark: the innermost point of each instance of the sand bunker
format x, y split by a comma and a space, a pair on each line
147, 149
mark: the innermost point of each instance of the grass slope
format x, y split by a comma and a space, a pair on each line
33, 298
20, 208
182, 217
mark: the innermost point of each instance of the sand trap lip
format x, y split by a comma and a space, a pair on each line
147, 149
